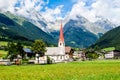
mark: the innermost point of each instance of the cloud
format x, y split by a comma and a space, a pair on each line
22, 6
27, 5
90, 9
7, 5
52, 14
32, 4
108, 9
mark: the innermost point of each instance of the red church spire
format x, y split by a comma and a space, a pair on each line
61, 37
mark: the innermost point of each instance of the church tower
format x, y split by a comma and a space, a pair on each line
61, 42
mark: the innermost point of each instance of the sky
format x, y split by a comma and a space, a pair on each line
52, 10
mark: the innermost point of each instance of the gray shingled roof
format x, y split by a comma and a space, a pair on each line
53, 51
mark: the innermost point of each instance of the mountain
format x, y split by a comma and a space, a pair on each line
105, 24
34, 17
110, 39
78, 36
16, 25
75, 35
82, 22
79, 32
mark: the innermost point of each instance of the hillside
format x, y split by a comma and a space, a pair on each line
110, 39
9, 28
78, 36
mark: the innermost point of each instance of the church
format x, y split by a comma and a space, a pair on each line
56, 54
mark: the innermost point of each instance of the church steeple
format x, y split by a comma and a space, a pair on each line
61, 38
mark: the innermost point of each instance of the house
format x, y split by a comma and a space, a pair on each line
56, 54
5, 62
69, 51
116, 54
109, 55
79, 55
28, 53
113, 54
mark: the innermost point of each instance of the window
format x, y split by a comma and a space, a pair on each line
60, 57
60, 43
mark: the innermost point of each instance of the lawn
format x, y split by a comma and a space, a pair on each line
3, 53
3, 43
109, 49
87, 70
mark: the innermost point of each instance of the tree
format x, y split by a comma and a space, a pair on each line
96, 48
19, 49
39, 47
14, 50
91, 54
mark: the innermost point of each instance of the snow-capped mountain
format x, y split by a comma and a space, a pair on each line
105, 24
82, 22
35, 18
78, 35
78, 31
100, 26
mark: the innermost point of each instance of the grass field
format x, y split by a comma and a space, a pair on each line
87, 70
3, 43
109, 49
3, 53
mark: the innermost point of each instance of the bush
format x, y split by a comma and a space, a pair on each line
25, 61
49, 61
92, 55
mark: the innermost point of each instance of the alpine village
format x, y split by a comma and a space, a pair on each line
70, 48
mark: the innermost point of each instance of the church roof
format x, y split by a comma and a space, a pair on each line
61, 37
53, 51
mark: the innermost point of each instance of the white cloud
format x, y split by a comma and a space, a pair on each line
52, 14
32, 4
28, 5
109, 9
7, 5
90, 9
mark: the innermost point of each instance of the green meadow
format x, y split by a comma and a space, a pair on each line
3, 43
86, 70
3, 53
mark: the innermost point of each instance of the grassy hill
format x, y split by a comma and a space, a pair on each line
110, 39
15, 28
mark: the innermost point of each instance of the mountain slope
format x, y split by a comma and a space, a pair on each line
25, 29
77, 36
110, 39
82, 22
105, 24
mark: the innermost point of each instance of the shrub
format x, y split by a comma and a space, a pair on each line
49, 61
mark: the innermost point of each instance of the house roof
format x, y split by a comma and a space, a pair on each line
53, 51
61, 37
27, 50
67, 49
78, 52
116, 50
